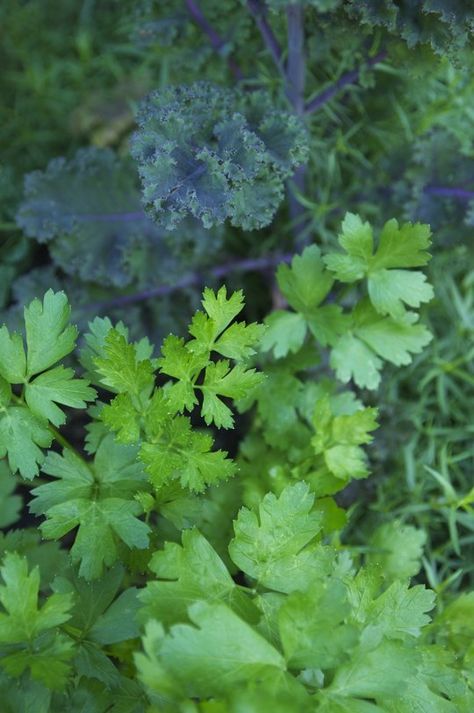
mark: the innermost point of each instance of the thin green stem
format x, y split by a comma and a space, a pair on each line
65, 443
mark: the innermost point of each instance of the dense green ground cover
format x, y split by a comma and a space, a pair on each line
243, 481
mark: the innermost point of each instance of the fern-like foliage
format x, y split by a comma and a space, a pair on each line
215, 154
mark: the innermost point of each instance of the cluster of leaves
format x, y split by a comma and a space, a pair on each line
133, 594
88, 210
430, 445
378, 326
215, 154
442, 25
312, 628
309, 632
27, 419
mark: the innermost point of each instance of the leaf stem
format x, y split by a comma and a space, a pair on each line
295, 83
295, 67
258, 10
449, 192
217, 42
65, 443
190, 280
351, 77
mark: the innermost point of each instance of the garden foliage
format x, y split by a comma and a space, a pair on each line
242, 482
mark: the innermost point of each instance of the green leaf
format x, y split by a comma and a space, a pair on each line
277, 547
313, 627
98, 499
389, 289
398, 247
346, 462
10, 504
102, 612
12, 357
239, 341
394, 341
221, 380
176, 452
187, 574
352, 359
327, 323
402, 246
33, 630
398, 549
119, 622
376, 675
122, 369
94, 345
286, 332
356, 354
22, 435
306, 283
49, 337
214, 656
178, 361
222, 309
357, 240
57, 385
122, 417
401, 610
5, 392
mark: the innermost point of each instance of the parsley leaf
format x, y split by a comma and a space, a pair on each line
57, 385
189, 573
221, 380
24, 426
277, 547
96, 498
358, 354
29, 637
174, 451
219, 652
399, 247
49, 337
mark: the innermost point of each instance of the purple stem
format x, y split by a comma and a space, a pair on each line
111, 217
449, 192
215, 39
295, 68
295, 81
258, 10
351, 77
191, 279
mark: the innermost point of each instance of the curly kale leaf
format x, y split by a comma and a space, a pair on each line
88, 210
215, 154
446, 26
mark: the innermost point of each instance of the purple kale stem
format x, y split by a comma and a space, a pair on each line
191, 279
295, 81
111, 217
295, 67
449, 192
351, 77
215, 39
258, 10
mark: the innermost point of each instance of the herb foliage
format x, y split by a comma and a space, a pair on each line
244, 481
